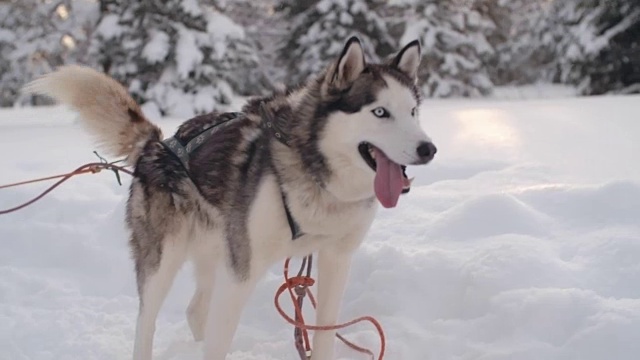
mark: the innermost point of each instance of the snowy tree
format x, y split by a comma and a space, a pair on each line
455, 46
320, 28
587, 43
181, 56
502, 61
36, 36
607, 47
295, 7
265, 28
530, 40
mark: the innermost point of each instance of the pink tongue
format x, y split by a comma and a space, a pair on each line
389, 182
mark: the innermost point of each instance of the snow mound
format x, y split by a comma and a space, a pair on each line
613, 203
489, 215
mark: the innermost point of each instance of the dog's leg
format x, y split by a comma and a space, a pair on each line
204, 268
153, 291
333, 271
228, 299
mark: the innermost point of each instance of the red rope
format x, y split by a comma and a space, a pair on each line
302, 283
84, 169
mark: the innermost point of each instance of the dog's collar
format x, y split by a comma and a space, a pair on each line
273, 125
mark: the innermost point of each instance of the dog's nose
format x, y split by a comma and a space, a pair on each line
426, 151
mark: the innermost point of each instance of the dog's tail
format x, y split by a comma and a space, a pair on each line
105, 107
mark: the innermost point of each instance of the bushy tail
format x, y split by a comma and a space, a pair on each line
106, 109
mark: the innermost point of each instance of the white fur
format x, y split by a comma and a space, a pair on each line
398, 137
155, 291
225, 309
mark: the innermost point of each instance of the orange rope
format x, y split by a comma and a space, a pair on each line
304, 282
84, 169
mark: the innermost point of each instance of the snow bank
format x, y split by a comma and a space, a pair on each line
521, 241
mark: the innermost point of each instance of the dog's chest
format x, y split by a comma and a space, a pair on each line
321, 221
322, 216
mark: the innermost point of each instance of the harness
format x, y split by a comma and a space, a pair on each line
183, 151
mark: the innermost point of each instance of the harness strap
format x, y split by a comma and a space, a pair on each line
182, 152
272, 125
293, 225
178, 150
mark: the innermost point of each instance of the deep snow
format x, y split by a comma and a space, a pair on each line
520, 241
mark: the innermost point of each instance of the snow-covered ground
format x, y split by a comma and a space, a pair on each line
521, 241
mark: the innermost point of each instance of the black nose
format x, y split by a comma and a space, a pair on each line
427, 151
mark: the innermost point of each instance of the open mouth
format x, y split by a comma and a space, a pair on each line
367, 153
391, 178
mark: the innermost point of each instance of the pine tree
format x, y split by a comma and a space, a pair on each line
265, 28
511, 46
455, 45
36, 36
608, 41
586, 43
562, 30
182, 57
538, 43
319, 29
7, 40
534, 40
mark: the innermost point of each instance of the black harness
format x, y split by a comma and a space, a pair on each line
183, 151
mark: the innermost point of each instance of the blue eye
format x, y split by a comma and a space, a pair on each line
381, 112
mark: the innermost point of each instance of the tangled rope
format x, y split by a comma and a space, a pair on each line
300, 285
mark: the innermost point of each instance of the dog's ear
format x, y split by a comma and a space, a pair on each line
408, 59
350, 64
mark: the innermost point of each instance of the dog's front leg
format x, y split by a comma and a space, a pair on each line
227, 301
333, 271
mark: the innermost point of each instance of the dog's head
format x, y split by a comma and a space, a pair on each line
371, 125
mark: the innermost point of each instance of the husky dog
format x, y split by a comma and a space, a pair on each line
292, 174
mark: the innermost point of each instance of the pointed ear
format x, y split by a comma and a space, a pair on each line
350, 64
408, 59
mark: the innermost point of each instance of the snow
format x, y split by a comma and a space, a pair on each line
6, 35
157, 48
188, 54
221, 28
191, 7
520, 241
110, 27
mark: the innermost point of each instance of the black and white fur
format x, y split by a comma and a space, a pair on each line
226, 214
